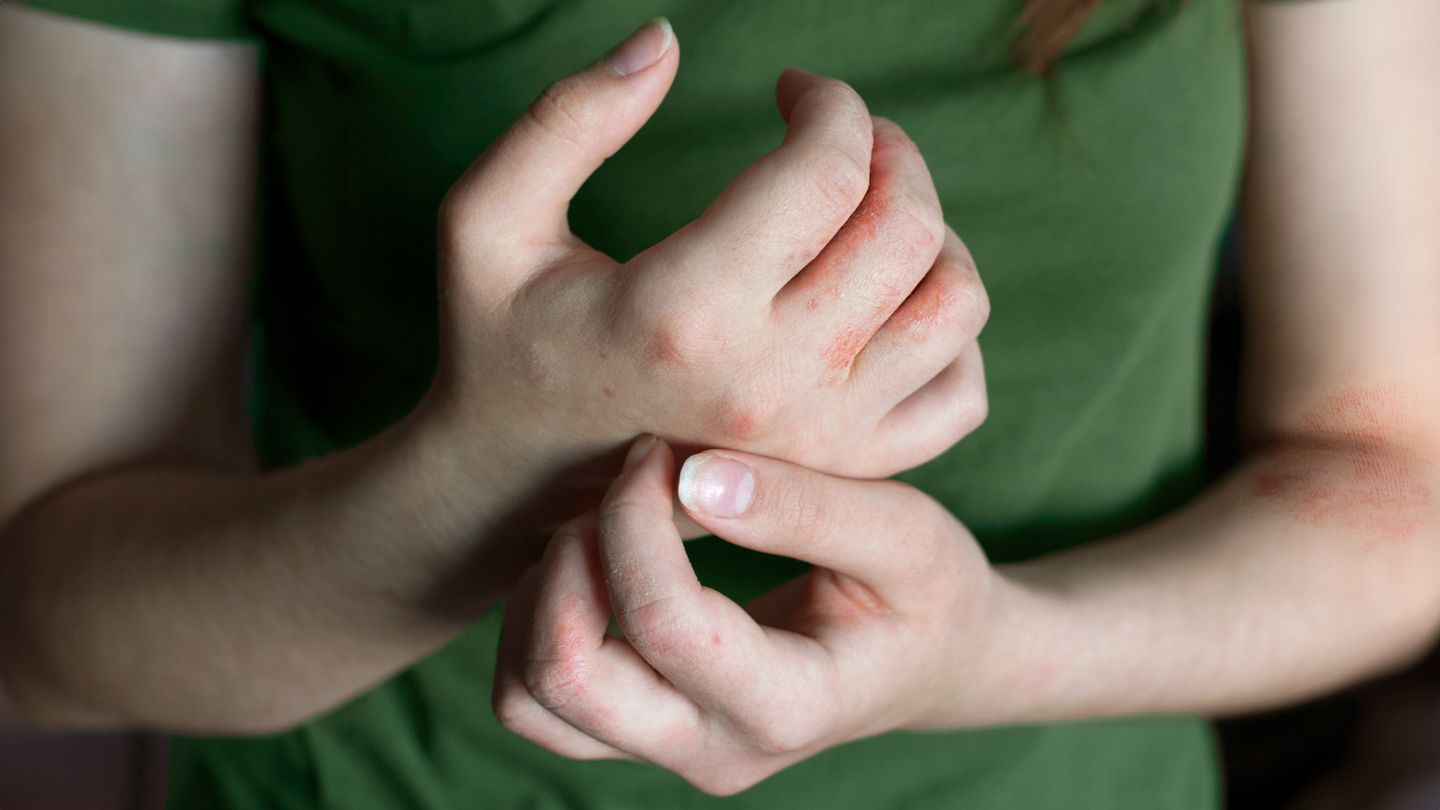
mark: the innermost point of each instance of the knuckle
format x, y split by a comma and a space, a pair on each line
722, 782
972, 412
741, 417
968, 298
511, 710
625, 512
781, 734
918, 229
579, 529
679, 340
932, 524
962, 303
974, 303
839, 173
836, 94
557, 683
798, 504
660, 628
560, 113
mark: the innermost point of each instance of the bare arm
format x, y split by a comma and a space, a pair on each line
148, 575
1318, 562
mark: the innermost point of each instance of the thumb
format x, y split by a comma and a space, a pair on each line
874, 531
515, 195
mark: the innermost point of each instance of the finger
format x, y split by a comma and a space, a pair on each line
930, 421
703, 643
567, 685
516, 193
878, 532
943, 316
514, 705
778, 214
878, 257
521, 714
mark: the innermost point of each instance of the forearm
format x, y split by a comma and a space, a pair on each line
187, 598
1308, 569
1316, 563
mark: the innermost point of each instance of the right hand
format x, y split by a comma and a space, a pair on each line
819, 311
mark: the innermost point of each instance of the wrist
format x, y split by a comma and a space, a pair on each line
425, 486
1005, 664
495, 484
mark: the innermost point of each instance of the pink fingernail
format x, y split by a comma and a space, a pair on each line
643, 49
715, 485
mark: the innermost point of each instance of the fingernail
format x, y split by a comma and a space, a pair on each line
718, 486
643, 49
640, 449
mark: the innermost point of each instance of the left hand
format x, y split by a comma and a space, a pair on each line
896, 613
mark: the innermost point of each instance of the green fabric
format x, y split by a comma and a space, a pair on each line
1093, 204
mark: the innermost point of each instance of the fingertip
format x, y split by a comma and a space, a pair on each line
789, 87
648, 467
640, 450
645, 48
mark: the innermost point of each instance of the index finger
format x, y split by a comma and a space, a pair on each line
782, 210
703, 643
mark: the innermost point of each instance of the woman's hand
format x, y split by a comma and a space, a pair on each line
818, 311
867, 642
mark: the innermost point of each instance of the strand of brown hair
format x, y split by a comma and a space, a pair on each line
1047, 27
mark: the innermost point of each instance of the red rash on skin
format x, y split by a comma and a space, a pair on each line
821, 279
861, 228
740, 426
567, 640
1347, 470
927, 307
846, 346
735, 422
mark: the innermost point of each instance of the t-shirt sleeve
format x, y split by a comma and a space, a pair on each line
190, 19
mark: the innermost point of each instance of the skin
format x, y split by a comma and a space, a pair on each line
149, 576
1311, 566
1237, 601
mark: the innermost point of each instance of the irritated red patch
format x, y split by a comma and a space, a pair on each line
738, 423
1347, 471
927, 307
821, 279
841, 352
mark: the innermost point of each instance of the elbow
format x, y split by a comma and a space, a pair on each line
30, 687
34, 700
27, 693
40, 702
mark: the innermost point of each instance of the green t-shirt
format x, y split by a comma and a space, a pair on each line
1093, 204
